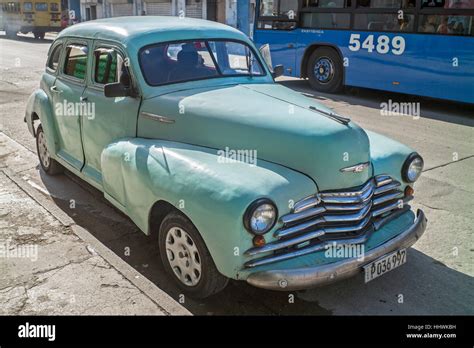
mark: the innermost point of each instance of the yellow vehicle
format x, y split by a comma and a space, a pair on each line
37, 17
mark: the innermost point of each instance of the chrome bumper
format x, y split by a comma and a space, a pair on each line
304, 278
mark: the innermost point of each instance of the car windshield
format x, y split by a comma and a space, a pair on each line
168, 63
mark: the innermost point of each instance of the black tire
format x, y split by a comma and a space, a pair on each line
210, 281
38, 35
51, 167
329, 78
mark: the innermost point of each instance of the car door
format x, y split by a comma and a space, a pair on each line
108, 119
67, 104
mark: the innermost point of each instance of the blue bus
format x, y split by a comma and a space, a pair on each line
418, 47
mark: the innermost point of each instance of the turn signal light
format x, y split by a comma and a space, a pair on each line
259, 241
409, 191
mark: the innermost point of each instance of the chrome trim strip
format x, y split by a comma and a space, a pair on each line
286, 243
302, 215
326, 218
359, 198
306, 203
391, 206
349, 207
305, 237
387, 187
382, 180
386, 198
155, 117
307, 277
298, 228
358, 168
369, 185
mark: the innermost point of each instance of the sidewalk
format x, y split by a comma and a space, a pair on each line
51, 266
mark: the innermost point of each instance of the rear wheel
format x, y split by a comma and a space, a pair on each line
186, 258
325, 70
49, 165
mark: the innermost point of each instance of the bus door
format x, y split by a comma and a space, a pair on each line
275, 25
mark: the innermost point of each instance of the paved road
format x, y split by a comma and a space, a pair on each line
438, 278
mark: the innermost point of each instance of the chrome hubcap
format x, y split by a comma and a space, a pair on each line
324, 70
183, 256
43, 150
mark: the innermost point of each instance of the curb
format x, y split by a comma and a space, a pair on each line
164, 301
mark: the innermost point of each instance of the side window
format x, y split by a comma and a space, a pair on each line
106, 61
53, 60
76, 61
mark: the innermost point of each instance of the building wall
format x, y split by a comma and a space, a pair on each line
224, 11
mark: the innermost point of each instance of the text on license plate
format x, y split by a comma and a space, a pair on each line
385, 264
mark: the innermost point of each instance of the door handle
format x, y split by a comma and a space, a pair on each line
291, 45
55, 89
83, 99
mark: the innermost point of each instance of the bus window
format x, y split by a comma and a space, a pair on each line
383, 22
446, 25
41, 6
466, 4
432, 3
279, 8
308, 5
326, 20
393, 4
28, 6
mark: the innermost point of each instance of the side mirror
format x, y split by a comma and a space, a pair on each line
117, 89
278, 70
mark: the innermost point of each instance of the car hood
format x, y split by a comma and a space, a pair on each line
269, 120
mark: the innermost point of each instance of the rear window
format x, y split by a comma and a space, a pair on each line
53, 60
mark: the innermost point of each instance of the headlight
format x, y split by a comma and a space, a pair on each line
260, 216
412, 167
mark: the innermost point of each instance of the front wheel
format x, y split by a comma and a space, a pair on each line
186, 258
49, 165
324, 70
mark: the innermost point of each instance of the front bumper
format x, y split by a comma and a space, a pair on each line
304, 278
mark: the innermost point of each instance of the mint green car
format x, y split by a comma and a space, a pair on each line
180, 124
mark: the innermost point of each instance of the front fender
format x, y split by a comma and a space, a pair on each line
39, 104
138, 172
387, 155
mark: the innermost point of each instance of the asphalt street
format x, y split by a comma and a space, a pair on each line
438, 275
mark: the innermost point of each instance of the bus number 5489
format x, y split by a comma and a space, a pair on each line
382, 44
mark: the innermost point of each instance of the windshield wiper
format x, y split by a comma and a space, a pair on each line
343, 120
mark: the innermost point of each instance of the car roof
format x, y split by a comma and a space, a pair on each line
140, 30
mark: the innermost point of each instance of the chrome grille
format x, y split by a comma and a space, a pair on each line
344, 217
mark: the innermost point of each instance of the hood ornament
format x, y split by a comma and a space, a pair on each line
358, 168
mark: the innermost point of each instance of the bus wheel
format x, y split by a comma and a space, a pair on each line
38, 35
324, 70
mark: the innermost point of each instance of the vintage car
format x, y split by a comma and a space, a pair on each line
180, 124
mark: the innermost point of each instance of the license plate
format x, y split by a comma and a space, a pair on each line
385, 264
